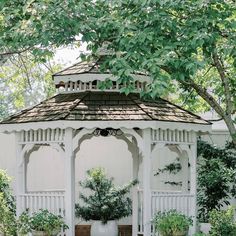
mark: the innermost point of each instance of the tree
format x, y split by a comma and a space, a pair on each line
184, 43
24, 82
216, 178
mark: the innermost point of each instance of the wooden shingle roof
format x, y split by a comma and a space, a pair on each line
110, 106
84, 67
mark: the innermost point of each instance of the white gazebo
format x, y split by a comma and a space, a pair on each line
80, 111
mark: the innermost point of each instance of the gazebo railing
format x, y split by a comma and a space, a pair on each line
164, 201
54, 201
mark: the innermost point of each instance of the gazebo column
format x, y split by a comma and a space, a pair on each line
193, 182
184, 165
135, 153
20, 175
147, 182
70, 182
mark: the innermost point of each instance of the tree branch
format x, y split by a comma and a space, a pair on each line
225, 82
10, 53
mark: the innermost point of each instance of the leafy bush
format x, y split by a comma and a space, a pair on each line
46, 221
6, 190
7, 206
7, 218
24, 223
106, 202
216, 177
171, 223
222, 222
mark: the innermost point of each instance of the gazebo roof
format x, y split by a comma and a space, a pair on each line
104, 106
84, 67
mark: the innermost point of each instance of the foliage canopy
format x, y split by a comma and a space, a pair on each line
186, 44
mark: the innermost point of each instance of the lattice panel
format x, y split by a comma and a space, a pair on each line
172, 136
41, 136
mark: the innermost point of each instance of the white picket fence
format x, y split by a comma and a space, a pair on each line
53, 201
164, 201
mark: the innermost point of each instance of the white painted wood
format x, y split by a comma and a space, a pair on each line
70, 182
171, 136
7, 128
50, 200
147, 182
135, 154
184, 171
40, 136
92, 77
20, 175
164, 201
193, 182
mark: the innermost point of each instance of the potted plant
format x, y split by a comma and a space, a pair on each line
105, 204
41, 223
171, 223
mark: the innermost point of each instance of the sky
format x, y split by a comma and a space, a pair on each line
69, 55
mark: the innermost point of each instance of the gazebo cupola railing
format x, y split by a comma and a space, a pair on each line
80, 111
86, 76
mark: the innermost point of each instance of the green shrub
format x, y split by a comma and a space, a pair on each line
7, 218
43, 220
24, 223
106, 202
7, 206
222, 222
5, 189
216, 178
171, 223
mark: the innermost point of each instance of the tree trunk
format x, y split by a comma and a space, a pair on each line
232, 130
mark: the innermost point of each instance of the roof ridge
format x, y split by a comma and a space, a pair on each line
75, 105
181, 108
140, 108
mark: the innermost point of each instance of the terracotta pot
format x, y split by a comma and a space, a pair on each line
108, 229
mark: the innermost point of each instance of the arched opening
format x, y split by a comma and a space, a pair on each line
45, 170
113, 155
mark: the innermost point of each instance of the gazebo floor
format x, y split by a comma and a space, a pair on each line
84, 230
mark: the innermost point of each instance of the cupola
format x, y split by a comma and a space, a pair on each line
86, 76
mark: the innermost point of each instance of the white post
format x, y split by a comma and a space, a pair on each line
70, 182
185, 176
146, 182
135, 153
20, 175
193, 182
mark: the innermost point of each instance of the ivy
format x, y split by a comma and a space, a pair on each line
172, 168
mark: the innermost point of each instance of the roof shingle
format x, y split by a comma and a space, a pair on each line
87, 106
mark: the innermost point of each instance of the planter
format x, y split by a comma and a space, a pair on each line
176, 234
42, 233
38, 233
205, 228
180, 233
108, 229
